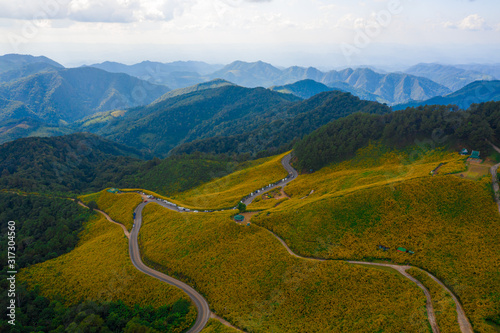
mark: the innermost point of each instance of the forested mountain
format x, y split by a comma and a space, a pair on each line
71, 94
449, 76
428, 126
289, 124
27, 70
10, 62
217, 83
476, 92
201, 114
31, 126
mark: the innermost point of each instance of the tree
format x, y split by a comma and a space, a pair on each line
242, 207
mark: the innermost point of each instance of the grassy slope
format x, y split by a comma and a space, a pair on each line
215, 326
99, 269
250, 279
452, 224
118, 206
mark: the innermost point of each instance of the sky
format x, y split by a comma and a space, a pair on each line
391, 34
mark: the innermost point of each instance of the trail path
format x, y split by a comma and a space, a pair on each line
204, 312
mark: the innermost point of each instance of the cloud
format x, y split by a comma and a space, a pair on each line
472, 22
121, 11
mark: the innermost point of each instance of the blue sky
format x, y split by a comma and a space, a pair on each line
327, 34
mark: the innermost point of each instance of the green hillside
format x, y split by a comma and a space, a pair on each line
162, 126
291, 123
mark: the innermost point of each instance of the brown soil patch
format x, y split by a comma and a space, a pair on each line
248, 217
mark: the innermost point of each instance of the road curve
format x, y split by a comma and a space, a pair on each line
135, 256
292, 175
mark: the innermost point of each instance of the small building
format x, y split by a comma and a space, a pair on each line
464, 151
402, 249
475, 154
239, 218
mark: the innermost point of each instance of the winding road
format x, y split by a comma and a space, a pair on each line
201, 304
135, 255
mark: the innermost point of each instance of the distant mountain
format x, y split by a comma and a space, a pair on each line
10, 62
290, 123
304, 89
476, 92
200, 114
391, 88
217, 83
491, 69
70, 94
450, 76
362, 94
255, 74
175, 75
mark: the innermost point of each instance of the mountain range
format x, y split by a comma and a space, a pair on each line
474, 93
66, 95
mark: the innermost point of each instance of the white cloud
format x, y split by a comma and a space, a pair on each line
472, 22
121, 11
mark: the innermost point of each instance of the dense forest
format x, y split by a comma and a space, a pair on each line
80, 163
278, 135
427, 127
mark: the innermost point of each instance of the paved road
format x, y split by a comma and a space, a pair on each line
199, 301
292, 175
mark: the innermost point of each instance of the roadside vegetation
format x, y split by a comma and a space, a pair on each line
225, 192
215, 326
250, 279
120, 206
443, 303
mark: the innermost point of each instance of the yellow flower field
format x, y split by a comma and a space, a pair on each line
99, 269
250, 279
119, 207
